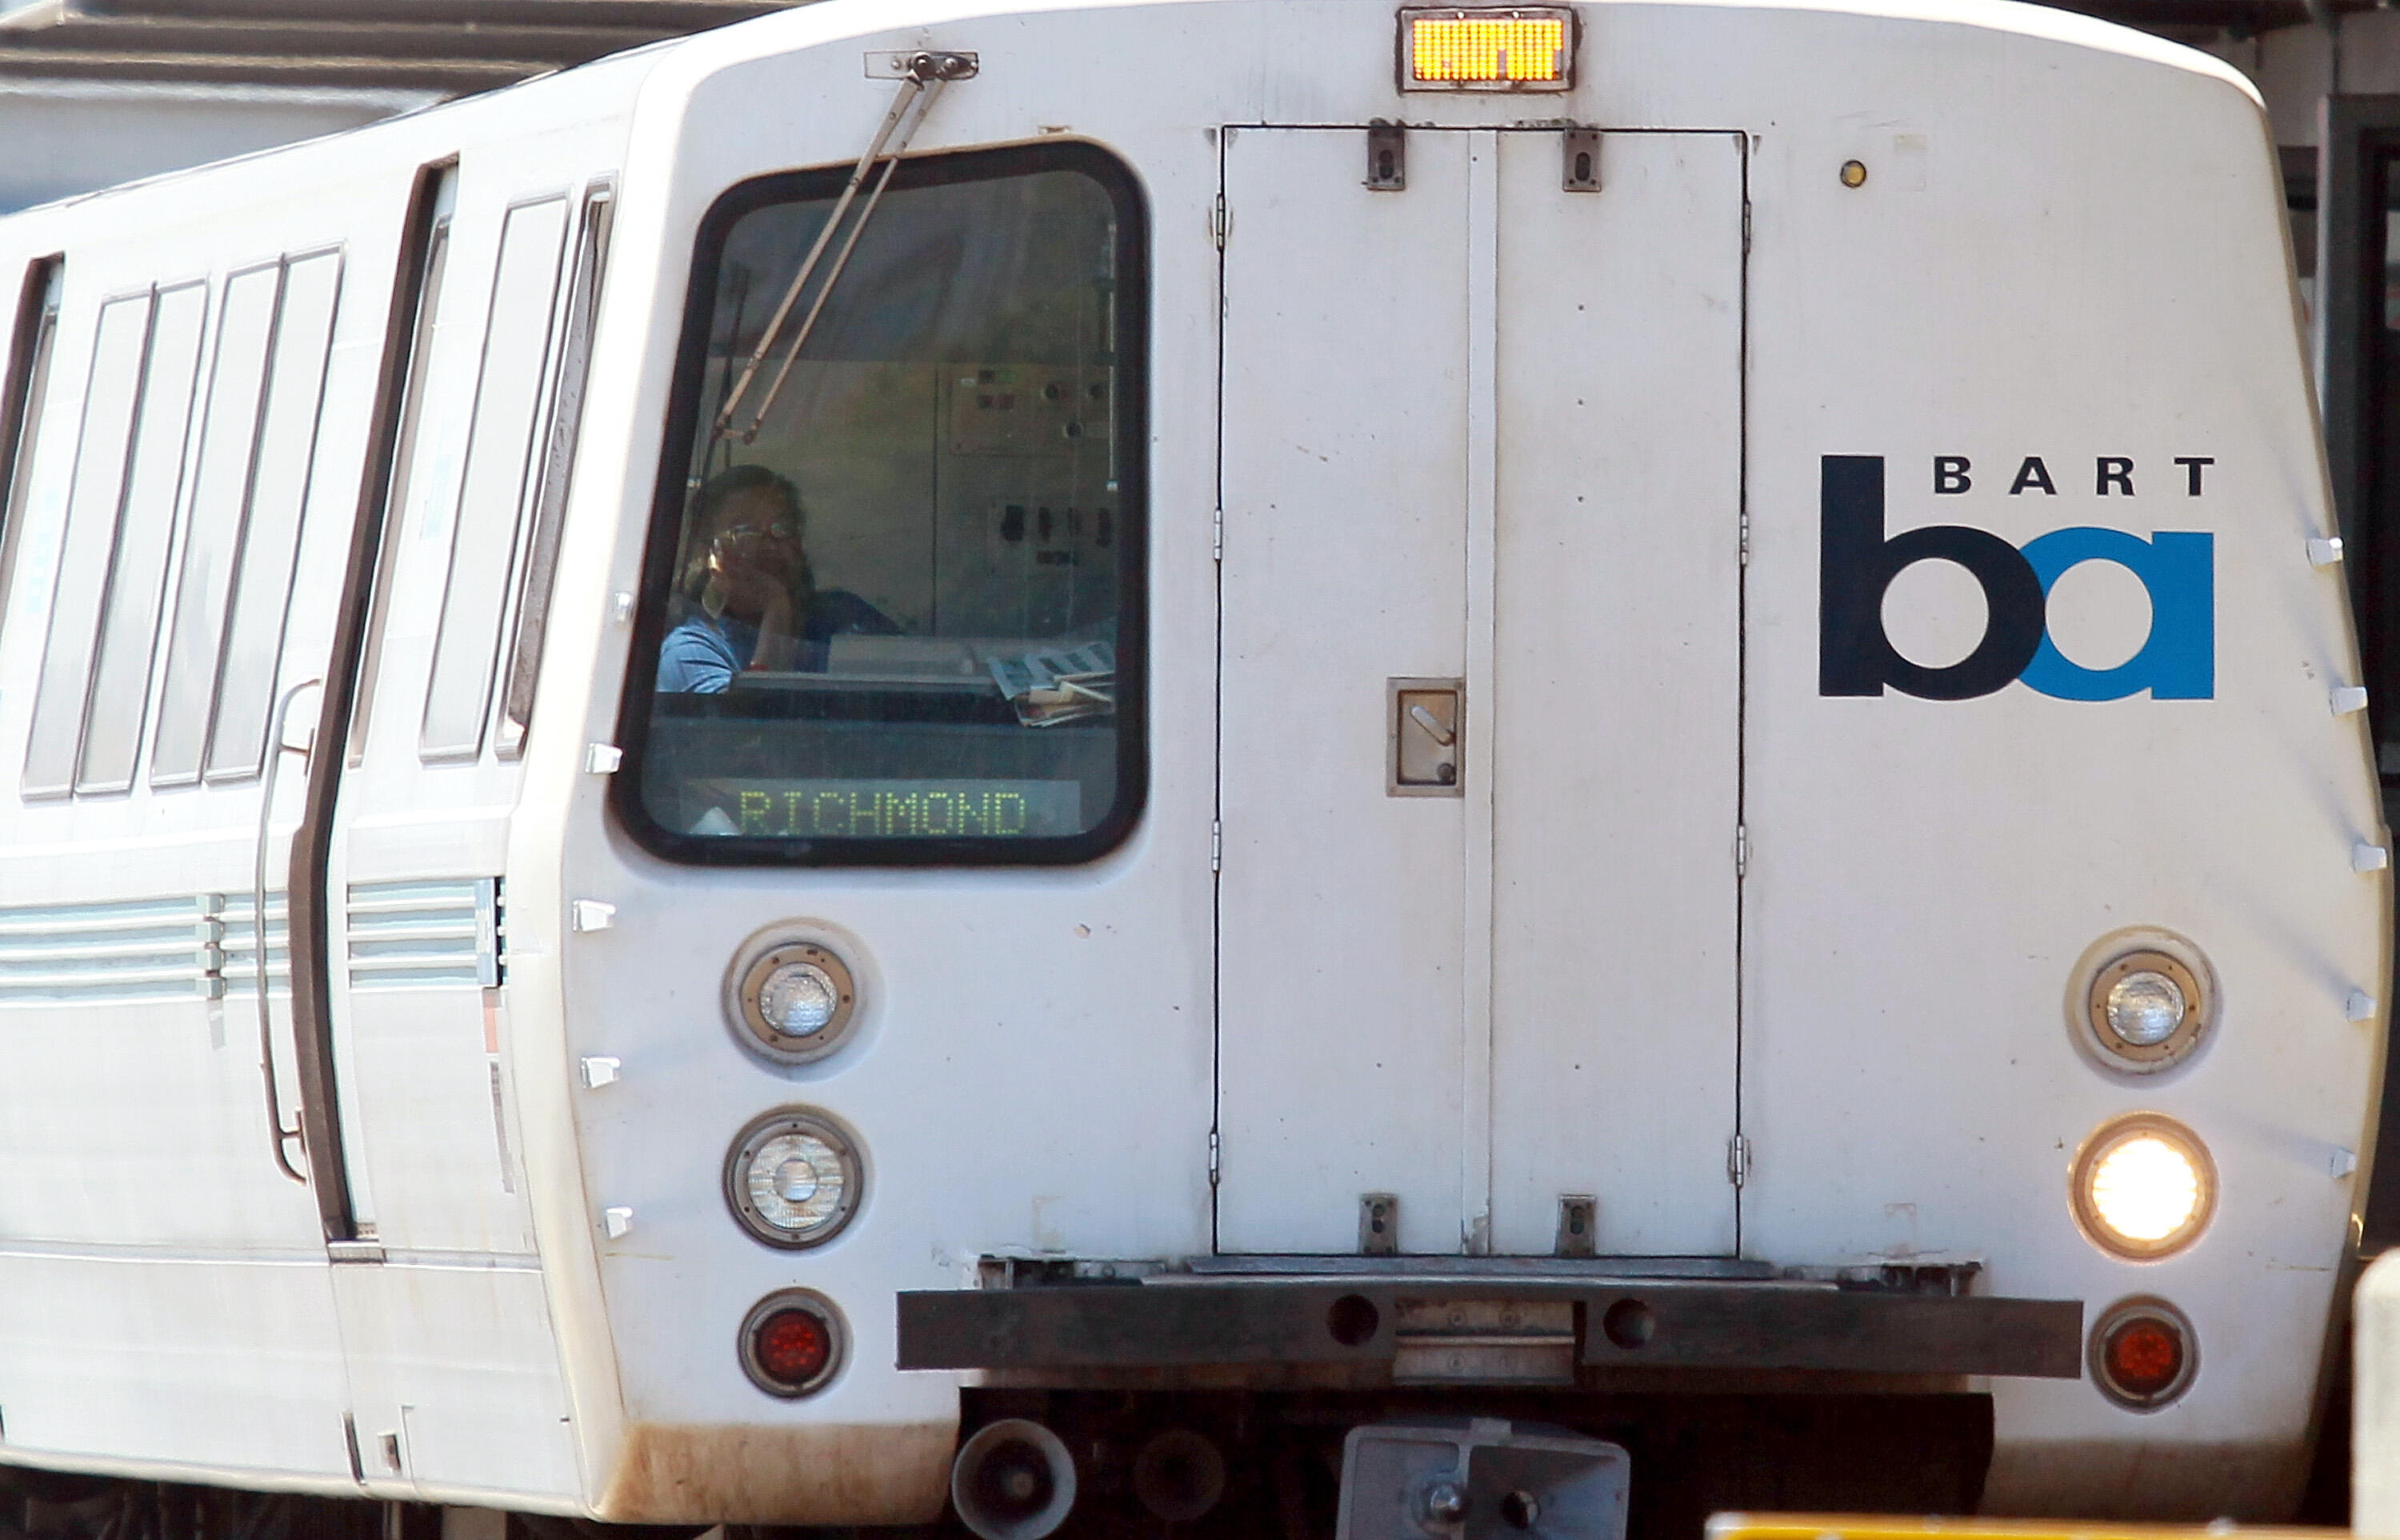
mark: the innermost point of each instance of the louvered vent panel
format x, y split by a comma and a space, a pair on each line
153, 948
413, 936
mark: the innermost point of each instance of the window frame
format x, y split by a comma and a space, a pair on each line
1118, 181
194, 713
578, 318
138, 614
62, 700
23, 403
221, 761
454, 628
393, 482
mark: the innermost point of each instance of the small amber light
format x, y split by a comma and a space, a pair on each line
1854, 173
1518, 48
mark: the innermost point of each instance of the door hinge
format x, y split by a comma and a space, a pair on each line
1745, 540
1217, 537
1741, 850
1216, 845
1219, 221
1738, 1160
1213, 1153
1745, 226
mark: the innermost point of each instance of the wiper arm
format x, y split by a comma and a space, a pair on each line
922, 76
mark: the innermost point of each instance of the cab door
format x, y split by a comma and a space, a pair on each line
1480, 692
454, 1371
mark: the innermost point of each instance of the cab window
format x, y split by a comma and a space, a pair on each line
891, 610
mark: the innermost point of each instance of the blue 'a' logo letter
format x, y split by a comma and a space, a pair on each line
2179, 569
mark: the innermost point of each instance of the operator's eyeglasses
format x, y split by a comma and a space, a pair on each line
786, 530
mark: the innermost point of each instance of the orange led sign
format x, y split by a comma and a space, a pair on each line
1518, 48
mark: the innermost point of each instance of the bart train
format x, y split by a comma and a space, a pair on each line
1260, 765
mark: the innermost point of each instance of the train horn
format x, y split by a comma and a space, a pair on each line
1013, 1480
1179, 1476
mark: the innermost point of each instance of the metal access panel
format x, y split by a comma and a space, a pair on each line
1342, 908
1614, 721
1480, 691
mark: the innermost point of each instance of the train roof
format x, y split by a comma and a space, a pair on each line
615, 85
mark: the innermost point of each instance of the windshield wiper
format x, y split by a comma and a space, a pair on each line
922, 76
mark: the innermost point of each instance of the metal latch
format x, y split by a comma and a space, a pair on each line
1426, 719
1580, 160
1578, 1226
1378, 1224
1387, 157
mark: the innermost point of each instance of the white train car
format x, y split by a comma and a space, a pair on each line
1059, 755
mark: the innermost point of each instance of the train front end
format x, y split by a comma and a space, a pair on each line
1634, 724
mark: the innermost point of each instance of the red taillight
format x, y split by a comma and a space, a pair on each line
794, 1346
792, 1342
2143, 1354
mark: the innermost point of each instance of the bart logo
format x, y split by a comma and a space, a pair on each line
1855, 657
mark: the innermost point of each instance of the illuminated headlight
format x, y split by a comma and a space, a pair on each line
2144, 1187
793, 1179
2146, 1009
792, 1000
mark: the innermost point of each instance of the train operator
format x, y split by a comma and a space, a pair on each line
750, 595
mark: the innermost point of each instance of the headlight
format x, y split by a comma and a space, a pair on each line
793, 1343
2143, 1187
2144, 1354
799, 999
791, 999
2145, 1008
792, 1179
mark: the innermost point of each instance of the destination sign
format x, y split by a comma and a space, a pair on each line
894, 810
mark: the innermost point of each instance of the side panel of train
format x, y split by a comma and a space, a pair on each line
191, 481
1758, 908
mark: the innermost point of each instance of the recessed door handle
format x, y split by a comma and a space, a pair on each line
1427, 720
1433, 726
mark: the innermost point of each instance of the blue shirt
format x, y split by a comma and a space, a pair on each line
701, 656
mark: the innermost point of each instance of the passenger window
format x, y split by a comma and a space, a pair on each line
405, 447
892, 605
92, 505
557, 464
137, 568
269, 542
220, 494
21, 410
493, 487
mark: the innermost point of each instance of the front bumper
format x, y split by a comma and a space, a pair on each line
1486, 1329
